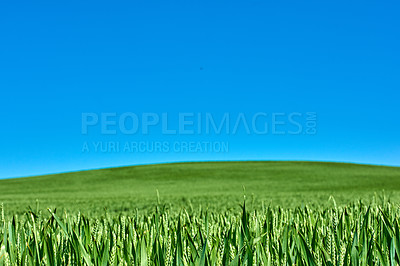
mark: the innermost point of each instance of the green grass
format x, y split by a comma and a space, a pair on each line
356, 234
198, 216
214, 185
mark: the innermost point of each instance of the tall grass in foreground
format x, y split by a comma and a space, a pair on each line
357, 234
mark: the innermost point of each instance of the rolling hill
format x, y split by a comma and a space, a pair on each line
215, 185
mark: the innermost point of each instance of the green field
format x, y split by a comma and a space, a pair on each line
211, 213
213, 185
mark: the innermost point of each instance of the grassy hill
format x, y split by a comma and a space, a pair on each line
217, 185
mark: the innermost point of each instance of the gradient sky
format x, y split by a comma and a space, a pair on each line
58, 59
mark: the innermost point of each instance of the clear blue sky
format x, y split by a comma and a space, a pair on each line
58, 59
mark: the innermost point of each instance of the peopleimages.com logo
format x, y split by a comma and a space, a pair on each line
259, 123
185, 132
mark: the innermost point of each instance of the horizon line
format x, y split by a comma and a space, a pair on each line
197, 161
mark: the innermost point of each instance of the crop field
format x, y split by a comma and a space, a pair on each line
220, 213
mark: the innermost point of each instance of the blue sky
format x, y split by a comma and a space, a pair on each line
59, 59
